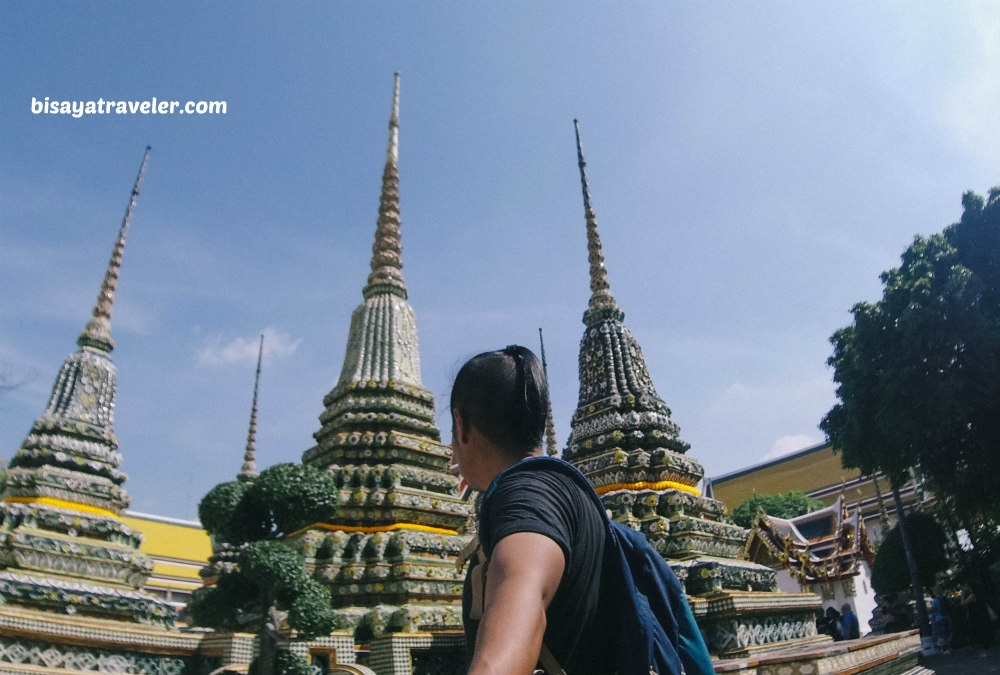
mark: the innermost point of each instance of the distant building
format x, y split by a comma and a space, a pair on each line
826, 552
818, 473
178, 549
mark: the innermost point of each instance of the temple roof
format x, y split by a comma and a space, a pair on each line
386, 265
822, 545
380, 393
602, 304
388, 554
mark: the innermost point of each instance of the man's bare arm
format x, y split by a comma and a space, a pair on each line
524, 573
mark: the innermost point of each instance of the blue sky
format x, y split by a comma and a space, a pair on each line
753, 167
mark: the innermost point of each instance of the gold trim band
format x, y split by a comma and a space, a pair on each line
644, 485
63, 504
377, 528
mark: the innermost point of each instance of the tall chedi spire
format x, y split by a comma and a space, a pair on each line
62, 540
249, 469
389, 554
624, 440
97, 333
622, 432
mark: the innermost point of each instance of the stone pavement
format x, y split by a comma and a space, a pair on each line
964, 661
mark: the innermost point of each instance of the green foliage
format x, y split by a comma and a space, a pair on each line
282, 499
217, 508
270, 564
290, 663
270, 577
785, 505
285, 498
228, 604
890, 573
918, 372
311, 612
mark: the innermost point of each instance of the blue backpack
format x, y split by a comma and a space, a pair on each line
657, 633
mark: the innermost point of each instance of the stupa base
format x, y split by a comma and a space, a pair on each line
894, 654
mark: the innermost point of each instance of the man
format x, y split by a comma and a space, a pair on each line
542, 537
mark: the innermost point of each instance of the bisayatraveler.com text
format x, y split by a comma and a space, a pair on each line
148, 107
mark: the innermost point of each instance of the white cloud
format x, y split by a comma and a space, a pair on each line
241, 350
789, 444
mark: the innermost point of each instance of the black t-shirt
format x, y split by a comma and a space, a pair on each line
551, 504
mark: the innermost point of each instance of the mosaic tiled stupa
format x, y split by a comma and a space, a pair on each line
624, 440
71, 571
389, 555
63, 544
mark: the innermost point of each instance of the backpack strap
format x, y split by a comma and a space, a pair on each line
549, 663
477, 582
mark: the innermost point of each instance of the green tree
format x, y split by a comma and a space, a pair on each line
889, 571
269, 583
918, 373
784, 505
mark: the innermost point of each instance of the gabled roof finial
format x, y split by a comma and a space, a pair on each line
602, 304
387, 265
98, 330
249, 469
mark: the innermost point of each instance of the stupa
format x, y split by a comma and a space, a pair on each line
224, 554
624, 440
389, 555
70, 568
64, 545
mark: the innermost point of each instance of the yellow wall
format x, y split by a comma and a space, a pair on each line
175, 539
178, 549
808, 470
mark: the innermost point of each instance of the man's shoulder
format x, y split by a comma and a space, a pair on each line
547, 479
541, 498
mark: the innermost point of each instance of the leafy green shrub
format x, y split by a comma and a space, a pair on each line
784, 505
290, 663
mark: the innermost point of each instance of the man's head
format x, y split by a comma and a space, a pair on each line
502, 396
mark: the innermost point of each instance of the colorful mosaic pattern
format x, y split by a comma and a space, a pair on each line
83, 660
47, 642
418, 653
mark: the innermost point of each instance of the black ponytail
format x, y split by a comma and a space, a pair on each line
505, 395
